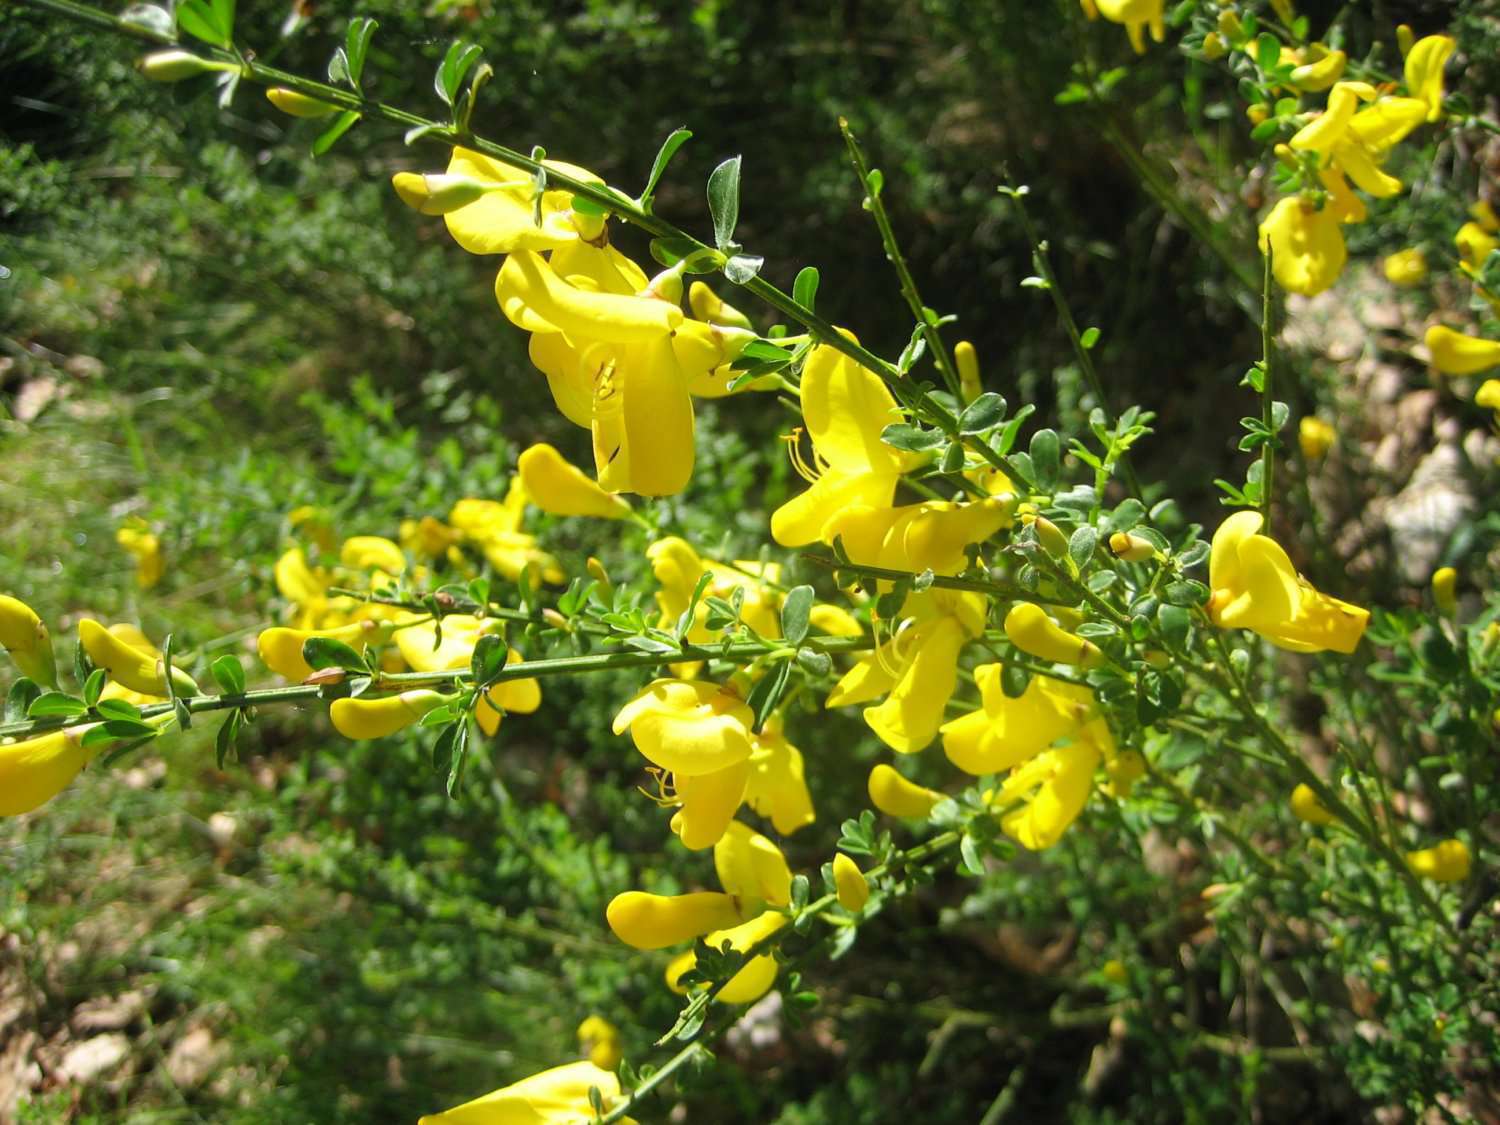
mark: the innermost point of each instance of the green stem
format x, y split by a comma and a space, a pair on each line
1268, 359
1017, 197
688, 1054
876, 207
742, 652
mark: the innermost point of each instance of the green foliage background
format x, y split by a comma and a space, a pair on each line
228, 329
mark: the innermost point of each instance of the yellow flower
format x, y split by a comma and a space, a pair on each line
850, 882
375, 718
1406, 268
701, 734
559, 1096
1424, 71
915, 537
372, 552
600, 1040
134, 668
751, 867
647, 921
281, 648
556, 486
1355, 143
894, 795
1136, 15
25, 638
1055, 786
145, 548
1006, 732
845, 407
634, 353
429, 537
1488, 396
495, 528
916, 671
499, 219
1485, 216
1306, 246
1474, 244
1447, 862
1315, 436
776, 788
678, 567
1028, 627
1454, 353
1124, 770
35, 770
966, 359
1307, 808
306, 588
1256, 587
755, 979
295, 104
422, 650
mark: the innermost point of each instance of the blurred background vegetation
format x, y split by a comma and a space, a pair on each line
206, 328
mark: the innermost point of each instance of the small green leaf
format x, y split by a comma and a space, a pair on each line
206, 21
669, 147
983, 414
154, 21
767, 693
455, 65
55, 703
224, 739
460, 756
1014, 680
902, 435
805, 288
724, 201
1267, 51
1081, 546
795, 613
228, 674
1046, 452
357, 46
488, 661
1089, 338
341, 125
93, 687
325, 652
23, 693
118, 709
814, 663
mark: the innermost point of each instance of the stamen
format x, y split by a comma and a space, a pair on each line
807, 472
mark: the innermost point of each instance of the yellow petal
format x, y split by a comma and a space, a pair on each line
850, 883
25, 637
845, 407
281, 649
550, 1098
656, 421
808, 517
1307, 248
1424, 71
911, 715
1224, 570
561, 488
1028, 627
366, 552
501, 221
894, 795
527, 288
709, 802
1067, 776
376, 718
572, 388
690, 728
1453, 353
1447, 862
647, 921
35, 770
777, 788
750, 866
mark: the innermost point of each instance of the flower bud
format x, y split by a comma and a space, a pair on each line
1034, 633
647, 921
375, 718
1048, 534
1316, 437
1156, 658
1307, 808
1322, 74
600, 1040
667, 285
1485, 216
1406, 268
1214, 47
967, 361
1257, 113
281, 648
707, 307
600, 575
435, 193
294, 104
1488, 395
1447, 862
1454, 353
174, 66
1444, 594
893, 795
1115, 972
1124, 770
1285, 10
129, 666
23, 635
1405, 38
1131, 548
1230, 26
852, 886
